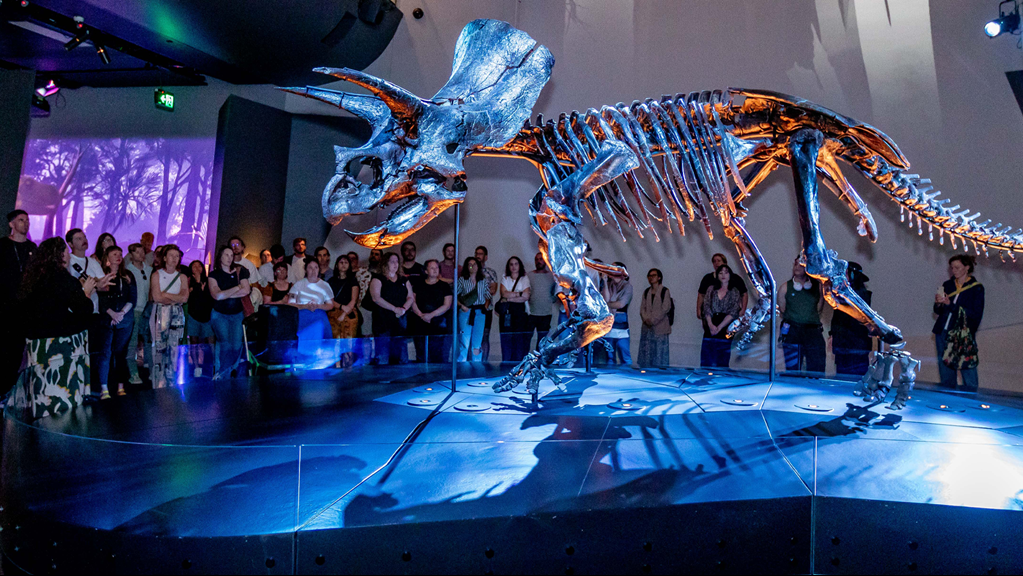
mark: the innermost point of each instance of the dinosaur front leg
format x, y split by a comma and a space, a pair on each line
821, 263
760, 276
590, 320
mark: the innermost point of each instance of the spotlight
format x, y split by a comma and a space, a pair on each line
50, 89
103, 54
74, 43
1007, 22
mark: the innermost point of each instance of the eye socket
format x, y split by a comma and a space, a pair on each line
451, 147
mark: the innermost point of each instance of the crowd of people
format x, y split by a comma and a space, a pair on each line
111, 303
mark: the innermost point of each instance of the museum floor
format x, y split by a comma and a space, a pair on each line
385, 470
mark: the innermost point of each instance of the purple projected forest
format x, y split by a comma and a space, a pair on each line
125, 186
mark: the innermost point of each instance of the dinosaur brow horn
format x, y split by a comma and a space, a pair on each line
405, 105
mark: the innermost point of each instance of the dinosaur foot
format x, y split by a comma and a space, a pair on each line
872, 391
531, 371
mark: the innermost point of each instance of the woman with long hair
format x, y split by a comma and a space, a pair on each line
228, 283
515, 291
722, 303
313, 298
430, 311
959, 305
56, 311
197, 316
105, 240
473, 292
116, 321
168, 291
344, 318
655, 312
393, 297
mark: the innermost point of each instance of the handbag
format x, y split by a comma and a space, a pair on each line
960, 346
503, 307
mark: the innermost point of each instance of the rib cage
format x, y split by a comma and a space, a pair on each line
679, 141
688, 157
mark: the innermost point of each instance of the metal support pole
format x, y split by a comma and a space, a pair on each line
774, 328
454, 305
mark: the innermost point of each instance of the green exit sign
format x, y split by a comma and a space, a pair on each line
164, 100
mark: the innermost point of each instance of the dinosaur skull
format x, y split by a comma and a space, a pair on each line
416, 150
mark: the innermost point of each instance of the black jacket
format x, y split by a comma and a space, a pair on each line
57, 307
971, 300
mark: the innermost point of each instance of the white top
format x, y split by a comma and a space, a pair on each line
165, 281
251, 267
508, 282
86, 267
319, 292
142, 277
265, 276
296, 268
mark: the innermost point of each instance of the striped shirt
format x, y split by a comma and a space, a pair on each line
470, 285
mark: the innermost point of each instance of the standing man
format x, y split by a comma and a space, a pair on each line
800, 302
322, 256
541, 299
717, 261
143, 273
147, 245
296, 262
410, 268
15, 250
240, 258
82, 267
491, 277
448, 267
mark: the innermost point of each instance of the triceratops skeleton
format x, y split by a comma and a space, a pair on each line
690, 148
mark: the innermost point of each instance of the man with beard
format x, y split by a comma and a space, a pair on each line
15, 250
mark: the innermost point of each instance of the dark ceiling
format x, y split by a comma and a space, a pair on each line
176, 42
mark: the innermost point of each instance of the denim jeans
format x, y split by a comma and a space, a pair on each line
948, 375
470, 337
227, 328
140, 329
112, 353
622, 355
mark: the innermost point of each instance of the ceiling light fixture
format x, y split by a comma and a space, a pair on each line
1008, 21
74, 42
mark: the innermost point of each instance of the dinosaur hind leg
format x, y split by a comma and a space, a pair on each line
590, 320
759, 274
821, 263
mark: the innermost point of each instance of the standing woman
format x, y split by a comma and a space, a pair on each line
393, 296
722, 303
515, 291
618, 295
168, 291
433, 302
959, 305
344, 318
653, 338
313, 297
229, 283
105, 240
473, 293
197, 320
117, 320
56, 310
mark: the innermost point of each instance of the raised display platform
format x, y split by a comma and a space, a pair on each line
384, 470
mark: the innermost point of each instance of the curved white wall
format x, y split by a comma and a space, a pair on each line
930, 79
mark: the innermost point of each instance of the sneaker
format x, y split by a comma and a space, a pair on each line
135, 380
198, 371
105, 395
120, 391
